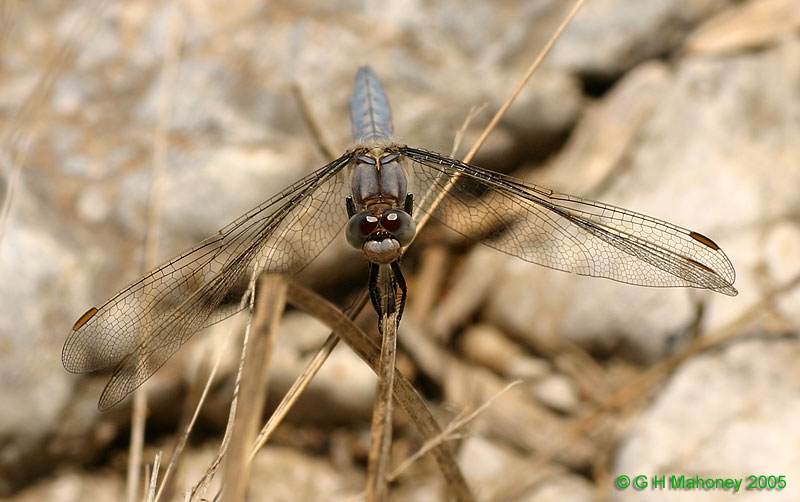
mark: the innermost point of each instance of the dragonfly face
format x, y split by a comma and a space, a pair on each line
139, 328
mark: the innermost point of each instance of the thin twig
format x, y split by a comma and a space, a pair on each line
655, 373
181, 443
314, 365
405, 394
302, 381
151, 489
433, 259
473, 113
15, 139
381, 429
528, 74
253, 393
642, 383
450, 432
324, 147
14, 168
198, 490
498, 116
138, 418
166, 93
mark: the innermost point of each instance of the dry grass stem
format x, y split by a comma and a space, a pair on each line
166, 93
294, 393
747, 25
504, 108
405, 394
432, 268
315, 364
181, 442
322, 145
199, 489
150, 489
636, 388
528, 74
459, 137
16, 138
270, 302
138, 419
450, 432
14, 169
647, 379
302, 381
381, 429
500, 113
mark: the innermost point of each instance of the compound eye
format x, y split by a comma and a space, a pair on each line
400, 225
359, 228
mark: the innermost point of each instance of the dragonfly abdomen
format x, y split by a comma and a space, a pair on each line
370, 114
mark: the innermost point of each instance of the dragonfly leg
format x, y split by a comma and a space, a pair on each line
351, 207
401, 283
374, 291
409, 204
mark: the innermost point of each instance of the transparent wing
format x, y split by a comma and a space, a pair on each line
562, 231
143, 325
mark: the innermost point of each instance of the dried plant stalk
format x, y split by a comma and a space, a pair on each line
381, 429
302, 381
270, 302
166, 93
405, 394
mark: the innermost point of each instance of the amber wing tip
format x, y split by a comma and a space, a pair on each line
84, 319
704, 240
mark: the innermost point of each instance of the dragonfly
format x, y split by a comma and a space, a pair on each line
378, 191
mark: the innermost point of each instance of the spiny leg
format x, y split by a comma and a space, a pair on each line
409, 204
401, 283
374, 292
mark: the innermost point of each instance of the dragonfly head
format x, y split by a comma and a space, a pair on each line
381, 236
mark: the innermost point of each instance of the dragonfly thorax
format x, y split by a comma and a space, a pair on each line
377, 175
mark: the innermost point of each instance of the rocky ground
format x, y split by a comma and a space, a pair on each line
687, 110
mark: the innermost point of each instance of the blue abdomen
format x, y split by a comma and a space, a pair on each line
370, 114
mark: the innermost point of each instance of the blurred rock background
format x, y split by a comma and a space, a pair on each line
687, 110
